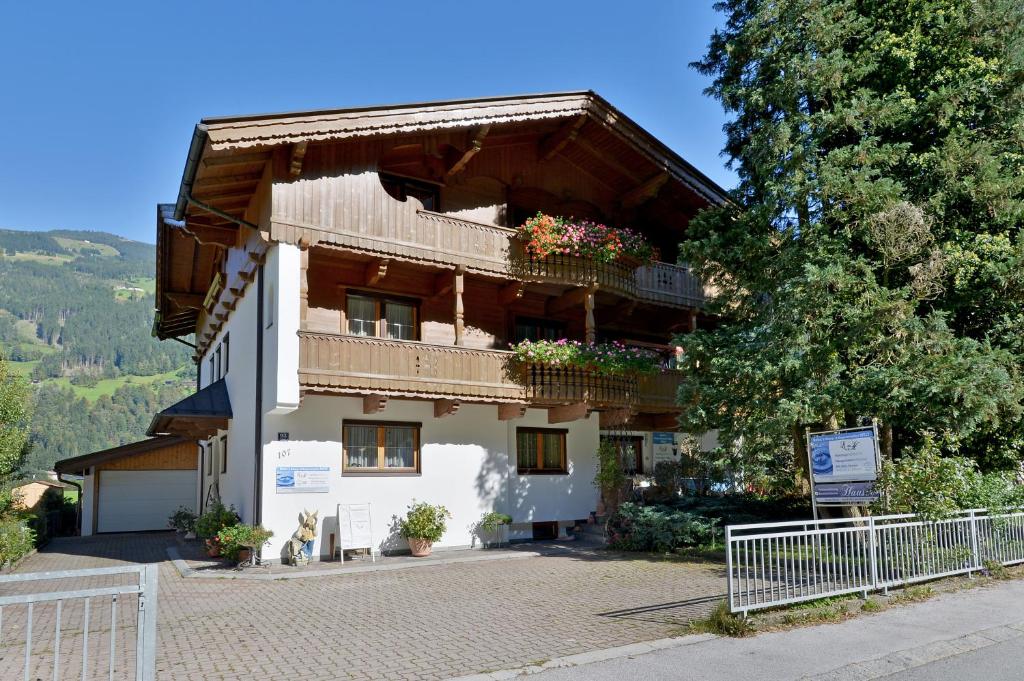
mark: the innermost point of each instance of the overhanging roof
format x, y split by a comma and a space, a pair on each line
198, 416
77, 464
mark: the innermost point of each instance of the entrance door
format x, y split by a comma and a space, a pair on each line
631, 452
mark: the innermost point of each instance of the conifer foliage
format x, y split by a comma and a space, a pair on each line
871, 263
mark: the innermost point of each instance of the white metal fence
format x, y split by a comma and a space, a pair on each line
102, 627
772, 564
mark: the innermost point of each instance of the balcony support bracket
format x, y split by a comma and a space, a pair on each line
444, 408
509, 412
374, 403
569, 412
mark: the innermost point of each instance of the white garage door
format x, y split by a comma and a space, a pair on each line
131, 501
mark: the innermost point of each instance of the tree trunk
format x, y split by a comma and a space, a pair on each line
803, 473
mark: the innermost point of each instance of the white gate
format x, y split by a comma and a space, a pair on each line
772, 564
80, 632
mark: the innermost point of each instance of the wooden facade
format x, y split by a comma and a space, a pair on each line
325, 182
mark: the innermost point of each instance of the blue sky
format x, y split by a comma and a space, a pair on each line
98, 100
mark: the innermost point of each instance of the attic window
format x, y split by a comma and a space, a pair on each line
401, 188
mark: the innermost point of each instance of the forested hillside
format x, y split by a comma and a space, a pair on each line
76, 309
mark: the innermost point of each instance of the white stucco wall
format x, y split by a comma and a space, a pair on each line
280, 327
87, 502
467, 464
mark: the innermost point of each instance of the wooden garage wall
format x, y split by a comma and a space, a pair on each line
180, 457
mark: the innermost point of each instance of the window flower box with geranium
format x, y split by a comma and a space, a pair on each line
610, 359
544, 235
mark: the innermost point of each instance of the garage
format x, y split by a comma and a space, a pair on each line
135, 487
133, 501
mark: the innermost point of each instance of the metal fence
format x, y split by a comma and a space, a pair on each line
773, 564
107, 630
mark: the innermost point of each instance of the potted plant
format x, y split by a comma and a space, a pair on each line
423, 525
216, 518
496, 526
241, 542
184, 521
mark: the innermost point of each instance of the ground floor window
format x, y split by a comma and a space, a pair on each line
380, 447
540, 450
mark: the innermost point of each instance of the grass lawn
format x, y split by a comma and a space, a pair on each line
107, 386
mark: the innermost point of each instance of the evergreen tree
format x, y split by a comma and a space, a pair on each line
14, 419
870, 264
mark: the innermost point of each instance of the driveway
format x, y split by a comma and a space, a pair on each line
429, 622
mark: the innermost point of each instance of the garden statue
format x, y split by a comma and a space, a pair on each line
300, 546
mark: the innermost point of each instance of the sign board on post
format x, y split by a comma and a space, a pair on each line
302, 480
354, 530
663, 448
844, 465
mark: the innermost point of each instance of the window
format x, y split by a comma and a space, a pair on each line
218, 364
227, 353
207, 456
540, 450
630, 449
385, 318
378, 447
402, 188
529, 328
223, 453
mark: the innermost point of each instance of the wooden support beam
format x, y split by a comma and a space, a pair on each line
552, 144
298, 154
374, 403
605, 158
460, 312
508, 412
182, 299
572, 298
226, 180
375, 271
511, 293
247, 275
236, 159
568, 412
475, 144
444, 408
444, 283
614, 418
258, 257
209, 235
645, 191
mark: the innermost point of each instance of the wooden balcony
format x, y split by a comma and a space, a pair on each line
357, 365
377, 366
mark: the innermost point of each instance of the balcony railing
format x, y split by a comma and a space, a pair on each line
358, 365
673, 284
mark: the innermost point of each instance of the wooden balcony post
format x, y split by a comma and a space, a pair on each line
303, 282
591, 326
693, 321
459, 288
342, 310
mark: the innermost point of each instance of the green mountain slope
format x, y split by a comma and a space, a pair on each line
76, 310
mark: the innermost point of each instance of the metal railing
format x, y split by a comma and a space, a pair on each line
62, 631
773, 564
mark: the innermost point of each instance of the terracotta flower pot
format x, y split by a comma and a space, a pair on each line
244, 555
420, 547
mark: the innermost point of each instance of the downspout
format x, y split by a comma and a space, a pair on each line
78, 504
258, 496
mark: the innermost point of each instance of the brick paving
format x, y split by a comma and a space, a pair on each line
422, 623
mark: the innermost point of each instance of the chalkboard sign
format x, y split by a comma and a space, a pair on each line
354, 530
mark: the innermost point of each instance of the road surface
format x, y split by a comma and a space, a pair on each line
972, 635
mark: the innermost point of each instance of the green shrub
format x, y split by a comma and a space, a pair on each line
424, 521
234, 538
16, 540
183, 519
658, 528
492, 520
216, 518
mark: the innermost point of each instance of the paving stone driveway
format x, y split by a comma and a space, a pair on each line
423, 623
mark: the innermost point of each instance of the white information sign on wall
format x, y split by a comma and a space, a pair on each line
663, 448
302, 480
354, 530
